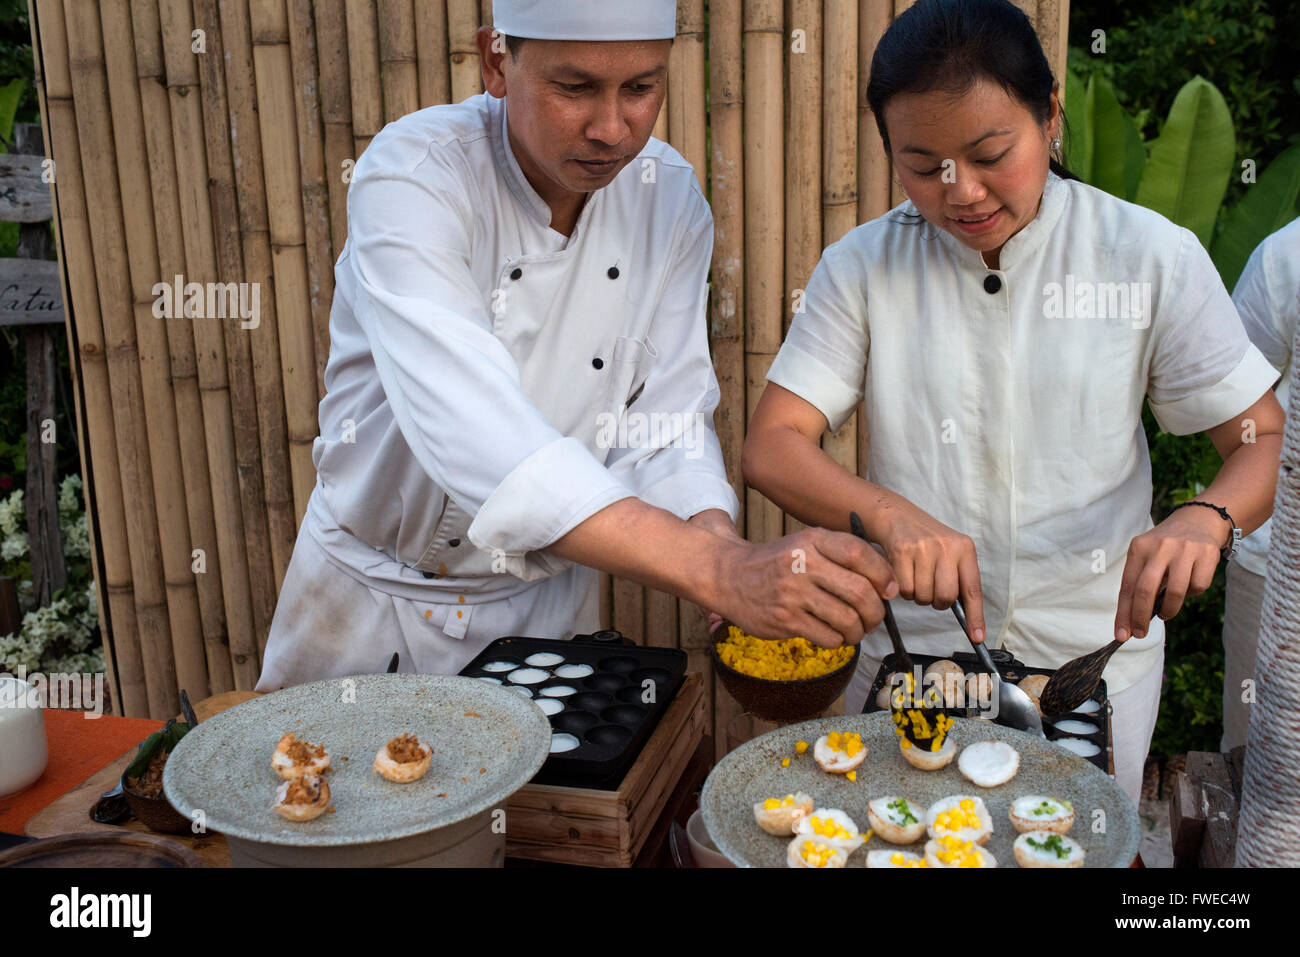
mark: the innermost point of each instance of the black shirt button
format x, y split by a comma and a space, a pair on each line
598, 363
427, 574
613, 272
516, 273
992, 284
454, 543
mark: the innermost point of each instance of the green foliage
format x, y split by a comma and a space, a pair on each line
1189, 164
1104, 147
1268, 206
1154, 47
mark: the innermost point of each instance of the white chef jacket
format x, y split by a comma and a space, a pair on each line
1268, 297
477, 358
998, 407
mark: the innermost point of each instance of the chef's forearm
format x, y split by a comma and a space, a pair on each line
799, 476
1247, 482
634, 540
717, 521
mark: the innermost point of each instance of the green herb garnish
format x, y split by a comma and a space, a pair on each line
1053, 844
1047, 807
904, 811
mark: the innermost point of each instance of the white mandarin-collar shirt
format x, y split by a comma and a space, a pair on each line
1268, 297
486, 372
1007, 403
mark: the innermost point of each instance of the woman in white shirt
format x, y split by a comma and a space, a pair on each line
1003, 327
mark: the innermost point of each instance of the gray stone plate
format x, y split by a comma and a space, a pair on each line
487, 743
753, 773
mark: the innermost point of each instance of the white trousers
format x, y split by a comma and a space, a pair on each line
328, 624
1132, 722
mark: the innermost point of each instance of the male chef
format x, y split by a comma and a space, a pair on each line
519, 387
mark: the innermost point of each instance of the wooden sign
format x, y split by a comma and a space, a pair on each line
29, 292
24, 189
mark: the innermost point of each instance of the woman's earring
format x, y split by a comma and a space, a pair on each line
1056, 144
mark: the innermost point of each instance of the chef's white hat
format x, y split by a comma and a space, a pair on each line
586, 19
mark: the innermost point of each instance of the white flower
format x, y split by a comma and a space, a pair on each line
70, 496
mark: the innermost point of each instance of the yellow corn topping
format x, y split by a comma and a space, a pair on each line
826, 827
850, 743
785, 762
920, 726
771, 804
791, 659
852, 775
800, 747
962, 816
898, 860
961, 853
816, 854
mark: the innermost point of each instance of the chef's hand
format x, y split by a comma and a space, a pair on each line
934, 563
823, 585
1179, 554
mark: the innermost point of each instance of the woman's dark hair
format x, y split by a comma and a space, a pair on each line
950, 44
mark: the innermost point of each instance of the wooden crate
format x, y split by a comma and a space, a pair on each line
570, 825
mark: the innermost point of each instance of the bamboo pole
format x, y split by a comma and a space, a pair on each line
152, 89
255, 247
95, 133
431, 52
280, 166
839, 197
315, 191
398, 73
629, 609
363, 69
874, 172
230, 267
803, 169
764, 221
727, 303
462, 25
177, 25
336, 113
1053, 25
687, 121
101, 479
161, 431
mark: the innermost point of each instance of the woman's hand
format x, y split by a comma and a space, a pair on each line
1180, 555
934, 564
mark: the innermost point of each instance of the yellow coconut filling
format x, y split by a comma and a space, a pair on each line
790, 659
771, 804
898, 860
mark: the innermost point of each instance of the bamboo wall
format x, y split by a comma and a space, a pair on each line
215, 142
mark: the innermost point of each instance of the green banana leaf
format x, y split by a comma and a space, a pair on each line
1078, 142
10, 95
1117, 154
1187, 172
1269, 204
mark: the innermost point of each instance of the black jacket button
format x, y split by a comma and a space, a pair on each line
992, 284
613, 272
454, 543
517, 273
598, 363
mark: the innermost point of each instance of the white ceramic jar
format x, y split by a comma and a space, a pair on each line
23, 748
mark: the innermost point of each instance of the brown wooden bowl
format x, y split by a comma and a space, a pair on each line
795, 700
155, 813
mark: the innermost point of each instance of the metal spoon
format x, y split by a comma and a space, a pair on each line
902, 659
1076, 681
1015, 708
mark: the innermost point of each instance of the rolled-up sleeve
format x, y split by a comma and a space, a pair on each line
1204, 369
675, 461
824, 355
453, 387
